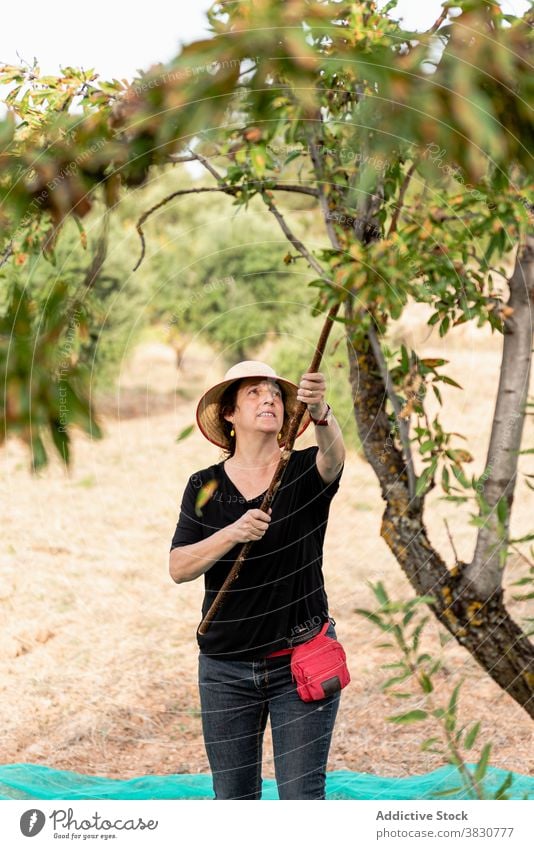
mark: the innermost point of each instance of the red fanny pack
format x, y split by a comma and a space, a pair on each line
319, 667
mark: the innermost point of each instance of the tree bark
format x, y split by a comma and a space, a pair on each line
484, 573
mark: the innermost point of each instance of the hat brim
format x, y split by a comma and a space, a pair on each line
207, 412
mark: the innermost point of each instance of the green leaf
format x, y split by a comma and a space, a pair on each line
408, 617
459, 474
471, 736
380, 592
373, 618
416, 635
61, 441
426, 683
293, 155
482, 764
187, 431
449, 380
425, 477
430, 741
502, 510
396, 679
437, 393
411, 716
427, 446
500, 793
452, 792
39, 456
453, 702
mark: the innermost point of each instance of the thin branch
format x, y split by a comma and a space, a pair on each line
278, 187
174, 158
148, 213
434, 28
95, 266
319, 173
400, 202
523, 556
203, 161
290, 187
100, 254
456, 560
295, 241
225, 188
7, 253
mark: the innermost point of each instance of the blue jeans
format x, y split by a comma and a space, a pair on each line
236, 697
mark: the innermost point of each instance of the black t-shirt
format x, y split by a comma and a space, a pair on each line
279, 592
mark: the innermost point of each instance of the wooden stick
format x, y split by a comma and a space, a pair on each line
294, 424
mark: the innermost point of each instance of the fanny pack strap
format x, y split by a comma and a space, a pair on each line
291, 650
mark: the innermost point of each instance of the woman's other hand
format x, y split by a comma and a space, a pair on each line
250, 526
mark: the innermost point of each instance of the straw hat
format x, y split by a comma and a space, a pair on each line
208, 406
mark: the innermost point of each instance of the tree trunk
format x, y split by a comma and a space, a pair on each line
485, 570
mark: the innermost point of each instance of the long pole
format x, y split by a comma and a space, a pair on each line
294, 424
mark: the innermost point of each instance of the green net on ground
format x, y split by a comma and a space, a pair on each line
33, 781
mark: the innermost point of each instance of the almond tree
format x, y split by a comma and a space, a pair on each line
415, 148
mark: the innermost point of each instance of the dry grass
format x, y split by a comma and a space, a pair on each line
98, 653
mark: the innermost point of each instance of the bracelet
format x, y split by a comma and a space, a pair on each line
325, 420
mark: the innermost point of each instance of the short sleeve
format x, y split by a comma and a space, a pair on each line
189, 527
313, 481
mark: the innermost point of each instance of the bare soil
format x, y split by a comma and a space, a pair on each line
98, 654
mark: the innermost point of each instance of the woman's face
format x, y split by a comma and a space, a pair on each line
259, 407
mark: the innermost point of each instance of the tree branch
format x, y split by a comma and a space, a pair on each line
403, 425
290, 236
178, 193
485, 571
435, 26
7, 253
400, 202
319, 173
203, 161
223, 187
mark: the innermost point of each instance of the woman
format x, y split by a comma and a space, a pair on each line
278, 600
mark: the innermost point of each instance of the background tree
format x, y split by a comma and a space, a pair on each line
416, 148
